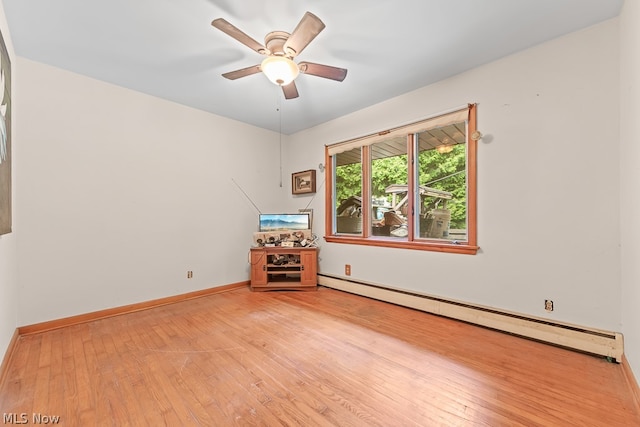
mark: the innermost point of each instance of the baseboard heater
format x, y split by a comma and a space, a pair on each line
588, 340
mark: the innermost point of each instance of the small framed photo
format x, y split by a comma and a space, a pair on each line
303, 182
310, 212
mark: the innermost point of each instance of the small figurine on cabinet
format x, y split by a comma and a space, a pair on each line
279, 259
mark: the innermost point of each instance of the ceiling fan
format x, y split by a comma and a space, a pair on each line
280, 48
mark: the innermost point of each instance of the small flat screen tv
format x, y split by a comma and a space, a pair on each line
277, 222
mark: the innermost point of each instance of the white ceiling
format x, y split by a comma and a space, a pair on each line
168, 48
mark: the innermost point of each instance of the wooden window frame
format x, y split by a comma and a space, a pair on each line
469, 247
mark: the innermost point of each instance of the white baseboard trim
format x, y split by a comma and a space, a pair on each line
599, 342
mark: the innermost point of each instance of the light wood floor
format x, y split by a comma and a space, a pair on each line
310, 359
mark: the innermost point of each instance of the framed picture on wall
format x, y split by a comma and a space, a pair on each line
303, 182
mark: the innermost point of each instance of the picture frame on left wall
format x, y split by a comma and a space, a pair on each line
5, 139
303, 182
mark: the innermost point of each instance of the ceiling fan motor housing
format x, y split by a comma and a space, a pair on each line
274, 41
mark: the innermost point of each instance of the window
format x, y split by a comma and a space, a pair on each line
410, 187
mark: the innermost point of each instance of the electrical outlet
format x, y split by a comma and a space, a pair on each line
347, 269
548, 305
189, 274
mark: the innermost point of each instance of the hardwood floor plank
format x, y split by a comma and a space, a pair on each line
306, 358
56, 374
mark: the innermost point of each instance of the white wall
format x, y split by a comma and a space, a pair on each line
8, 251
548, 198
630, 179
122, 193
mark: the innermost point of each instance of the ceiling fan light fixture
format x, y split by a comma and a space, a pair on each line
279, 69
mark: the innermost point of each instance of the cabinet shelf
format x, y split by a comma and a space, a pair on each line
290, 266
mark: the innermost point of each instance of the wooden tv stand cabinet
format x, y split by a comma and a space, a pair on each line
281, 268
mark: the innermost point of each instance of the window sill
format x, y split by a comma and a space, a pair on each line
421, 246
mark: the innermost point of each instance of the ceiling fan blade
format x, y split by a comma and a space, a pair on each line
290, 91
326, 71
308, 28
233, 31
232, 75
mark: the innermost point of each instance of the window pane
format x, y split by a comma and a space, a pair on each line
348, 191
389, 174
441, 206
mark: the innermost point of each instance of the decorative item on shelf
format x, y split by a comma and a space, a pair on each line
277, 259
313, 242
277, 238
303, 182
